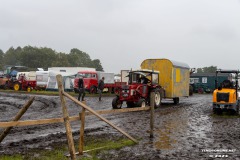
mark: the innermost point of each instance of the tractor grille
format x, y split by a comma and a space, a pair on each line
223, 97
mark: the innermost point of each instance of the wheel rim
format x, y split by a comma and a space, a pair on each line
16, 87
143, 104
28, 89
157, 98
119, 105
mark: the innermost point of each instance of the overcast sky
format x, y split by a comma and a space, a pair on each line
122, 33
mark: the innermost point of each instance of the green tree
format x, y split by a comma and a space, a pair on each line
211, 69
199, 70
97, 64
1, 59
12, 56
79, 58
61, 60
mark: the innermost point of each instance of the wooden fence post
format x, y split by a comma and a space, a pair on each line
17, 117
152, 99
81, 140
66, 118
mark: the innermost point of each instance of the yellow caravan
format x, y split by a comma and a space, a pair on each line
173, 77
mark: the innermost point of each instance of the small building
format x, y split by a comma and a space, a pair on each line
208, 79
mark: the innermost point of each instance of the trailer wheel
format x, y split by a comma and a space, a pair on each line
157, 98
141, 103
176, 100
16, 86
116, 104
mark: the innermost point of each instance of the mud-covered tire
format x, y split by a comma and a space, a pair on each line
141, 103
116, 104
5, 86
217, 111
176, 100
17, 86
157, 98
93, 90
238, 110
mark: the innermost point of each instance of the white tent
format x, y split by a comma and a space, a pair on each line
67, 81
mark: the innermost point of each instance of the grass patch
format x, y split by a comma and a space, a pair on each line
59, 152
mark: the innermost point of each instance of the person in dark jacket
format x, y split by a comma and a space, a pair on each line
81, 89
100, 88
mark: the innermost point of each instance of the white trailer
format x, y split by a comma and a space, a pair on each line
70, 70
42, 79
28, 75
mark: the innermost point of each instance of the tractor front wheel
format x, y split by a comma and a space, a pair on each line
16, 86
116, 104
141, 103
29, 89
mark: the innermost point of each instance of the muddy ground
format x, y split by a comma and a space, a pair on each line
184, 131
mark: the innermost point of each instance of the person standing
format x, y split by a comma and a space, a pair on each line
81, 89
100, 88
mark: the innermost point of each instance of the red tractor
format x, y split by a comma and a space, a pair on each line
21, 83
137, 92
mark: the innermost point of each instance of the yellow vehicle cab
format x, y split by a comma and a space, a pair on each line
225, 96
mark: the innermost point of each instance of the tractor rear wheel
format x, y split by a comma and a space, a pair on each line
141, 103
116, 104
16, 86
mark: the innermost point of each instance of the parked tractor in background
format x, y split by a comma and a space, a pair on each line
225, 95
20, 84
137, 92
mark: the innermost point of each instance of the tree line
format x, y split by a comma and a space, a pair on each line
43, 57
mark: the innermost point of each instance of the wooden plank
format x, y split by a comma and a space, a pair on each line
36, 122
66, 118
17, 117
123, 110
73, 118
98, 115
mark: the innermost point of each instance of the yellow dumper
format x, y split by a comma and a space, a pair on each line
173, 77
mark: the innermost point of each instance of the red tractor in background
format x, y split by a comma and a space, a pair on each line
137, 92
20, 84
